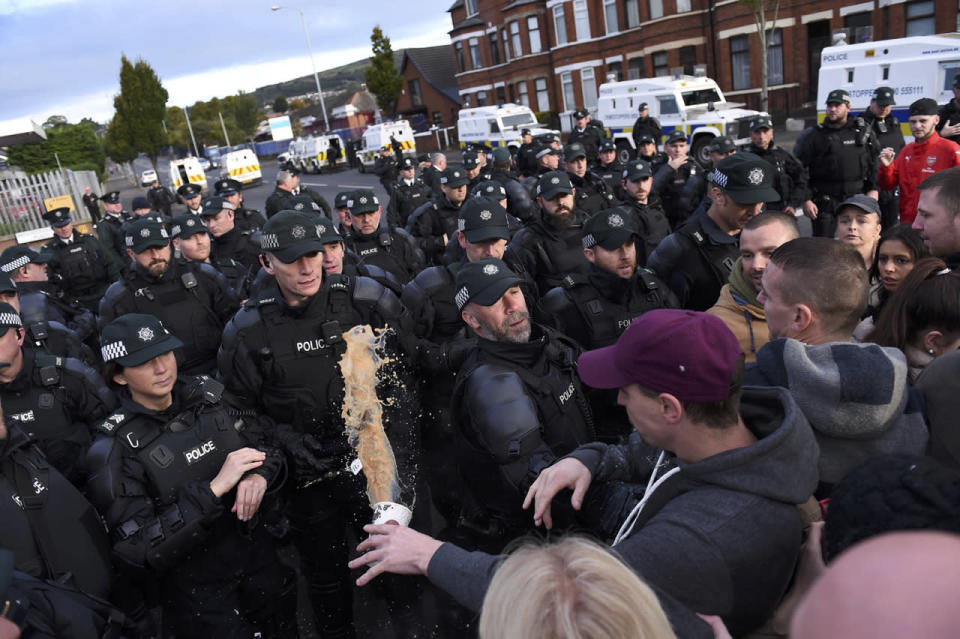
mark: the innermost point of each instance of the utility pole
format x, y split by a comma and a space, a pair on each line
186, 112
224, 127
316, 78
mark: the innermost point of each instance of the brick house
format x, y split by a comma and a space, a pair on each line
552, 55
429, 95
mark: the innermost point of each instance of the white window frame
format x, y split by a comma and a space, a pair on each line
683, 6
476, 59
560, 24
543, 94
775, 56
505, 37
608, 6
471, 6
569, 97
741, 71
522, 95
588, 87
656, 9
533, 29
632, 11
581, 19
516, 43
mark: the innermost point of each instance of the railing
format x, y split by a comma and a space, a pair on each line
22, 196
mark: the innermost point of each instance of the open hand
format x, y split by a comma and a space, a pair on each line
566, 473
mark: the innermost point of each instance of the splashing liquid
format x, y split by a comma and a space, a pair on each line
363, 412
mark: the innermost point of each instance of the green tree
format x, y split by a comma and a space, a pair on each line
280, 104
77, 146
139, 111
246, 115
382, 77
54, 121
761, 9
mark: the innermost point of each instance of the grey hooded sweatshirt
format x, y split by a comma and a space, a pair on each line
721, 536
856, 397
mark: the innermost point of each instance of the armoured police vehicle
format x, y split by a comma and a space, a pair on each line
498, 126
377, 136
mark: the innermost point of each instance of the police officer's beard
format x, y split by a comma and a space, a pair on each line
158, 267
503, 333
560, 219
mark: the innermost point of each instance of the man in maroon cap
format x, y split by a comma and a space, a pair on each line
717, 528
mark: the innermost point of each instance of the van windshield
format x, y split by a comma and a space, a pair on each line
518, 120
700, 96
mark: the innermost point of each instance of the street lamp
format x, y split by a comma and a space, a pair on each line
323, 107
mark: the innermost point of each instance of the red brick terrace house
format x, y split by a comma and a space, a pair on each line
429, 95
552, 55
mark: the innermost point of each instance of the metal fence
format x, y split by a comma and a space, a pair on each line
22, 196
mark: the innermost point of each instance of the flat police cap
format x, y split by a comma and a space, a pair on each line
580, 113
9, 318
761, 122
884, 96
184, 226
501, 155
746, 178
470, 160
676, 136
453, 176
722, 144
839, 96
573, 151
610, 229
483, 282
490, 189
481, 219
327, 230
189, 190
226, 186
643, 106
363, 201
289, 235
340, 201
406, 163
607, 145
113, 197
646, 138
213, 206
553, 183
134, 339
19, 255
145, 232
58, 217
637, 170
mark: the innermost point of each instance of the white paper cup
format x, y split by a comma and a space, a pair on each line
388, 512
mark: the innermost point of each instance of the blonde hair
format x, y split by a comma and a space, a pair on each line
573, 589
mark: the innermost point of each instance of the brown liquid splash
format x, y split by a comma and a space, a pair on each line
363, 412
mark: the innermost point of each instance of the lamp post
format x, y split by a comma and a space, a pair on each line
323, 107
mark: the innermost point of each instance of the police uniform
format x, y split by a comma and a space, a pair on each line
151, 479
888, 134
108, 229
190, 194
519, 204
407, 197
318, 199
284, 361
385, 166
648, 218
590, 137
432, 221
950, 112
82, 264
676, 188
611, 173
646, 126
277, 201
527, 156
518, 408
244, 218
52, 325
193, 300
841, 162
790, 179
233, 248
92, 202
592, 194
161, 199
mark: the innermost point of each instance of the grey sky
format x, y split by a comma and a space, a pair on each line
63, 56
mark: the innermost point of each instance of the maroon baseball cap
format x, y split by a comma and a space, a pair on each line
691, 355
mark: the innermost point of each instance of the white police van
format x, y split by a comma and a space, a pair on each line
376, 136
311, 154
916, 67
694, 105
497, 126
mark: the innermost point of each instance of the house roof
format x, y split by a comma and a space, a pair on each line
458, 3
437, 66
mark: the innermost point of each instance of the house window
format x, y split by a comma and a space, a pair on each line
416, 98
633, 13
740, 62
458, 49
683, 6
660, 64
616, 70
656, 9
438, 118
560, 24
501, 95
588, 84
494, 48
471, 8
533, 28
481, 98
582, 19
522, 96
610, 15
543, 98
475, 61
920, 20
569, 100
775, 56
688, 59
506, 46
635, 68
859, 26
515, 39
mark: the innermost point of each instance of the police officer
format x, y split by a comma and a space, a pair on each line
191, 194
549, 247
471, 167
586, 134
280, 354
82, 265
191, 238
791, 179
161, 199
109, 227
675, 181
409, 193
548, 159
338, 260
92, 202
434, 223
192, 299
519, 203
647, 151
385, 166
245, 219
55, 400
840, 155
517, 403
949, 124
886, 129
696, 259
645, 126
228, 241
141, 206
287, 181
168, 465
376, 242
695, 190
642, 208
341, 213
527, 154
592, 194
609, 168
318, 199
430, 175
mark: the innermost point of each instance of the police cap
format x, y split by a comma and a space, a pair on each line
482, 219
9, 318
134, 339
573, 151
140, 202
554, 183
761, 122
303, 202
213, 205
189, 190
327, 230
610, 229
363, 201
643, 106
18, 255
544, 149
7, 285
525, 132
470, 160
607, 145
145, 232
289, 235
483, 282
406, 163
186, 225
341, 199
113, 197
746, 178
884, 96
580, 113
838, 96
637, 170
490, 189
226, 186
501, 155
646, 138
676, 136
58, 217
453, 177
722, 144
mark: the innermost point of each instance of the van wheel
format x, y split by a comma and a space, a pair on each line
699, 149
624, 152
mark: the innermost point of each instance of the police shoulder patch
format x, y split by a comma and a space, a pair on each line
109, 425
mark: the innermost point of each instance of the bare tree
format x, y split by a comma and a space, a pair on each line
761, 9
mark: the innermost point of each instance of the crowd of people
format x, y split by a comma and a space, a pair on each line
720, 396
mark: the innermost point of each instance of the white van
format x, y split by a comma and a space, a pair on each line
311, 155
497, 126
917, 67
242, 166
187, 171
695, 105
378, 135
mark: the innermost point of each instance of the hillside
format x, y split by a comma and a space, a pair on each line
345, 78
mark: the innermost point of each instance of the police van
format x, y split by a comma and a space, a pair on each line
916, 67
378, 135
694, 105
243, 166
498, 125
187, 171
311, 154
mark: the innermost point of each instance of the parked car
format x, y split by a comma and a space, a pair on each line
148, 177
204, 163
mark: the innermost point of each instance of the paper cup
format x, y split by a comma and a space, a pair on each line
388, 512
